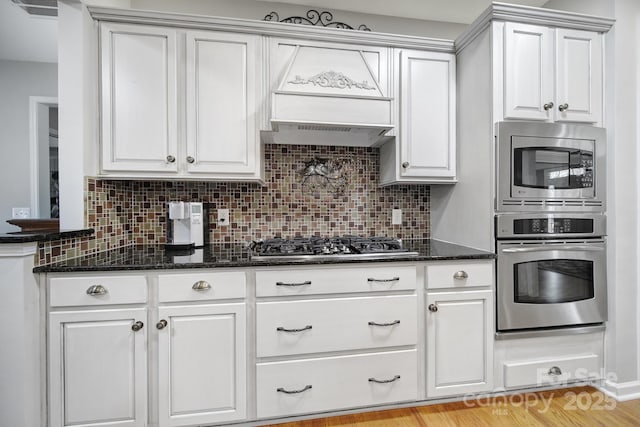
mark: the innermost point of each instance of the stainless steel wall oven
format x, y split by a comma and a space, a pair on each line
550, 167
551, 271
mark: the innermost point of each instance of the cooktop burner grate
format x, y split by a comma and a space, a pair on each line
343, 246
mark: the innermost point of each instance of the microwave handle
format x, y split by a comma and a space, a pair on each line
545, 248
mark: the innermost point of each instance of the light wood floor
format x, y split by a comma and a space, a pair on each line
578, 406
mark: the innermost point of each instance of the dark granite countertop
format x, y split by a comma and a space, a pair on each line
155, 257
43, 235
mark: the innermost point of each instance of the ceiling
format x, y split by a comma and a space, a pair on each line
24, 37
31, 38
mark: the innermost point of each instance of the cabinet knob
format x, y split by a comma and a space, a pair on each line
137, 326
161, 324
548, 106
201, 285
171, 159
190, 159
96, 290
563, 107
460, 275
433, 308
555, 371
405, 165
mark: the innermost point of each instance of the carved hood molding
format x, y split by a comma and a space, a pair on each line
329, 94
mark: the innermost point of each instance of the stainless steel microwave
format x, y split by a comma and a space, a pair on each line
550, 167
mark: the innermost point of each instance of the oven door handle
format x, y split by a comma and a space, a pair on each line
546, 248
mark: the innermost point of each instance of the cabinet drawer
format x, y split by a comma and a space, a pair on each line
541, 372
201, 286
459, 274
335, 383
334, 280
299, 327
97, 290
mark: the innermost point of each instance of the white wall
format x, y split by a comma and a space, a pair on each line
622, 118
77, 116
18, 81
251, 9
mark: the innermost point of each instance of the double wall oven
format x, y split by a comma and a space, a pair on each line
550, 227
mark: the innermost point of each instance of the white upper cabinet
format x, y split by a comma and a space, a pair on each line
528, 83
424, 149
552, 74
139, 92
579, 76
222, 99
149, 132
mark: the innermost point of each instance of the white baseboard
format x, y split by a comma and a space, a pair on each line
621, 391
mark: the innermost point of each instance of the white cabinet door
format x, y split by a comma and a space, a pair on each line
97, 368
427, 115
528, 72
579, 79
223, 88
202, 364
139, 108
459, 342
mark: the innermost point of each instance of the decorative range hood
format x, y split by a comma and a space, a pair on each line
329, 96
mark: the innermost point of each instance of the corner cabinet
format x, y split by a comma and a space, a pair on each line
551, 74
179, 104
424, 148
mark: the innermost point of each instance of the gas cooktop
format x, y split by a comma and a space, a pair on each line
343, 247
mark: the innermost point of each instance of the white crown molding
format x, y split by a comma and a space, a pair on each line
266, 28
532, 15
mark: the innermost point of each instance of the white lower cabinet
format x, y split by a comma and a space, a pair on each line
459, 342
331, 383
98, 368
201, 364
459, 327
332, 338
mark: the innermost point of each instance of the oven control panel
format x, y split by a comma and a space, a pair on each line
518, 226
552, 226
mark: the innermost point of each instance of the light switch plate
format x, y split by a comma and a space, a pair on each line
396, 217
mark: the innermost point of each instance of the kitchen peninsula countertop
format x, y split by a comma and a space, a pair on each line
156, 257
43, 235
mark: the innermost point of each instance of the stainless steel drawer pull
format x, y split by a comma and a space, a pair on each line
555, 371
395, 322
563, 107
433, 308
394, 279
374, 380
137, 326
161, 324
201, 285
307, 387
97, 290
306, 328
305, 283
460, 275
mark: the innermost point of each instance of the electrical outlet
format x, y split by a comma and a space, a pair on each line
223, 217
21, 213
396, 217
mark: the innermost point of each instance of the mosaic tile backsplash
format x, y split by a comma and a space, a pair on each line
309, 190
